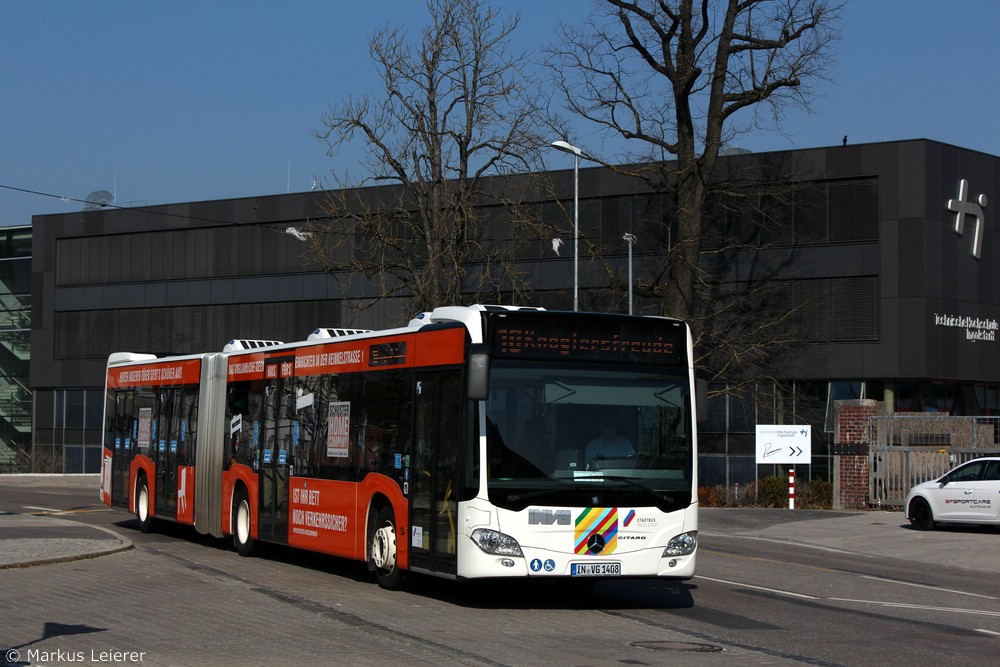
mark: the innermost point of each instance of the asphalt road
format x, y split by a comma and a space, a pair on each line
773, 588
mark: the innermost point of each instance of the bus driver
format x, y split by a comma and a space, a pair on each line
609, 444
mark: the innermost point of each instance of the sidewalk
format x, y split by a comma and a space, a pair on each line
36, 538
27, 540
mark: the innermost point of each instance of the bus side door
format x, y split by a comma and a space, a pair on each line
165, 452
276, 448
438, 432
120, 442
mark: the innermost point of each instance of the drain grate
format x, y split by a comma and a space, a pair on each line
684, 647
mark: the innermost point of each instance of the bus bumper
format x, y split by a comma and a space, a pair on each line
475, 564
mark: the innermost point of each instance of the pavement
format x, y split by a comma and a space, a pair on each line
43, 535
39, 536
30, 539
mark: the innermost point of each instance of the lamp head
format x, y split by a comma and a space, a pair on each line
567, 147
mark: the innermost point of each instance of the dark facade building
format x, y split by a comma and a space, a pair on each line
15, 327
880, 264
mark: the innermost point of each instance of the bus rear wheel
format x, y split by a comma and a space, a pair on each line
142, 508
382, 551
241, 524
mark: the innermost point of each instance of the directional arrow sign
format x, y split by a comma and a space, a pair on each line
784, 444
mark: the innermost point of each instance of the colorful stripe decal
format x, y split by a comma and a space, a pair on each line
597, 531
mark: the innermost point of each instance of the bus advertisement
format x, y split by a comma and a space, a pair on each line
476, 442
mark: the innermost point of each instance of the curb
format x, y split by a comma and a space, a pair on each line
32, 549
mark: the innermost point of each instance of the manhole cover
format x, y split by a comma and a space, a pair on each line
686, 647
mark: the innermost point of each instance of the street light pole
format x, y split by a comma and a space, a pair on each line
629, 239
567, 147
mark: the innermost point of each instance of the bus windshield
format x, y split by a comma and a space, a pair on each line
586, 434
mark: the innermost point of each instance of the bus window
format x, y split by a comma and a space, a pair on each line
305, 425
188, 426
239, 424
385, 413
142, 414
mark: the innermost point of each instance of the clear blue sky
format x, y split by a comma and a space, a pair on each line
182, 101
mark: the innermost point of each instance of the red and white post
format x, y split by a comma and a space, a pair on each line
791, 488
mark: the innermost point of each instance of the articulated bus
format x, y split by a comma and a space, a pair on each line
464, 445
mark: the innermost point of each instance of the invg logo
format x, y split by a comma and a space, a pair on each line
961, 208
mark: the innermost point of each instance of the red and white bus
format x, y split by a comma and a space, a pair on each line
462, 445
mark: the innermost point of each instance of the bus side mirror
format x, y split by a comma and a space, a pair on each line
701, 399
479, 372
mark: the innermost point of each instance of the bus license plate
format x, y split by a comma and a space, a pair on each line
596, 569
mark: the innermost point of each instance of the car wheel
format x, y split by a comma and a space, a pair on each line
920, 514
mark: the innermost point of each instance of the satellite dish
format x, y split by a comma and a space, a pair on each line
98, 199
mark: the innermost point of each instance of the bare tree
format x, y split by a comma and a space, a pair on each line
455, 109
681, 79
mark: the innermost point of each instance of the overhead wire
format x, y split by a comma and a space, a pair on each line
142, 209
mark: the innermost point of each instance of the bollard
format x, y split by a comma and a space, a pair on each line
791, 488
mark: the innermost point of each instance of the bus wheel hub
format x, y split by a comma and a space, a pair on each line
384, 548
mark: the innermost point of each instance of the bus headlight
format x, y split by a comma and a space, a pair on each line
682, 545
495, 542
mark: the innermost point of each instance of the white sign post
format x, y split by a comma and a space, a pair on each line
782, 444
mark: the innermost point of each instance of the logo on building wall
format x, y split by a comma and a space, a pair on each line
976, 328
961, 208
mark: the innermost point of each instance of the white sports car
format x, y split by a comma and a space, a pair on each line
969, 493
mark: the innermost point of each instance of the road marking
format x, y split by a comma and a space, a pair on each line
51, 510
988, 632
903, 605
761, 559
862, 576
933, 588
898, 605
759, 588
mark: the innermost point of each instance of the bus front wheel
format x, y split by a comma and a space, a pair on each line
142, 509
382, 552
241, 524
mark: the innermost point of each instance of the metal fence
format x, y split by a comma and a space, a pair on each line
908, 449
13, 459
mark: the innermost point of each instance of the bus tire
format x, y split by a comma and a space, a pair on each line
142, 505
242, 523
382, 551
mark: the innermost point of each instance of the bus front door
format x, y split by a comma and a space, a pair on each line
438, 431
276, 450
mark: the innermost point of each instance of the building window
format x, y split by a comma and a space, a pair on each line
235, 250
68, 431
841, 391
842, 211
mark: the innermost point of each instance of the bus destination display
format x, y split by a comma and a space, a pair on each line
598, 340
